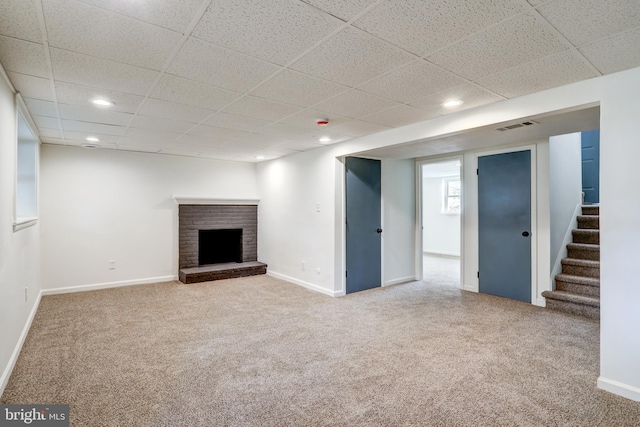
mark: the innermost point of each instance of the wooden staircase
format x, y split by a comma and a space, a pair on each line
578, 286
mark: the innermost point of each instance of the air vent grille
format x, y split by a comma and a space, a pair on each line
518, 125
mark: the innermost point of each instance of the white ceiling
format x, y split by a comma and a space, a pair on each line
234, 79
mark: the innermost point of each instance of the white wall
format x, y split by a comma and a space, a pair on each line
565, 182
103, 205
19, 251
398, 221
440, 232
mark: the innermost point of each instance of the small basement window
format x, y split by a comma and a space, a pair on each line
451, 191
26, 206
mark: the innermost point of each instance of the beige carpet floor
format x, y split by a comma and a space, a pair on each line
262, 352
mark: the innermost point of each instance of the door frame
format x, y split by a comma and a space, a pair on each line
535, 298
419, 272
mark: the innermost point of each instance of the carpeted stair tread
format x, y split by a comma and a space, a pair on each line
586, 236
588, 222
584, 246
583, 251
572, 298
581, 262
590, 210
581, 280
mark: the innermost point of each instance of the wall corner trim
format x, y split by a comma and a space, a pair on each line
621, 389
107, 285
399, 281
304, 284
6, 374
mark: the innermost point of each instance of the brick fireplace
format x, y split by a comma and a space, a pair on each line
217, 240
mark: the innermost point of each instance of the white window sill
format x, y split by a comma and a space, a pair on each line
22, 223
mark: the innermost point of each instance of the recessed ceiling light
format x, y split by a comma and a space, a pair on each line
102, 102
325, 139
90, 145
92, 139
452, 103
260, 157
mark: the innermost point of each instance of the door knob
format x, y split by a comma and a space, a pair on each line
379, 230
525, 233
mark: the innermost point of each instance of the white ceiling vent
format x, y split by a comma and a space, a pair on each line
518, 125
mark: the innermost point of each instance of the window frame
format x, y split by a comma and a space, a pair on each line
445, 195
20, 221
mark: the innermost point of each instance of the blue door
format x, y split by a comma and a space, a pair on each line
591, 166
504, 221
363, 224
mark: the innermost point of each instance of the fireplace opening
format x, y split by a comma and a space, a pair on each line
219, 246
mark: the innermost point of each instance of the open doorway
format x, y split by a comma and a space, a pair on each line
441, 208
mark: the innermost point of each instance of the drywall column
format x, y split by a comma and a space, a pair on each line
620, 241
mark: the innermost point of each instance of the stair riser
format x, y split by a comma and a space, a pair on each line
590, 210
583, 254
580, 270
572, 308
589, 238
589, 223
576, 288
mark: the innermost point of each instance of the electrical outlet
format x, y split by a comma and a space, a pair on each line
112, 264
26, 294
318, 207
303, 266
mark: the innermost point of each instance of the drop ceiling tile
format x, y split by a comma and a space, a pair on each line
46, 122
357, 128
343, 9
49, 133
190, 92
94, 114
216, 132
285, 131
616, 53
31, 87
88, 127
308, 118
399, 116
413, 81
258, 140
171, 110
82, 137
54, 141
351, 58
536, 2
23, 57
161, 124
274, 152
585, 21
201, 141
276, 31
234, 121
72, 94
175, 15
41, 108
19, 19
83, 28
128, 144
261, 108
217, 66
70, 67
298, 145
296, 88
149, 135
471, 95
552, 71
422, 27
512, 43
356, 104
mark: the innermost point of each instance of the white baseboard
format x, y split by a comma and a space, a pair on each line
398, 281
621, 389
568, 238
541, 302
304, 284
470, 287
442, 253
108, 285
16, 351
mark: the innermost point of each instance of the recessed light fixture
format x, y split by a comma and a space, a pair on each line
90, 145
102, 102
452, 103
260, 157
92, 139
325, 139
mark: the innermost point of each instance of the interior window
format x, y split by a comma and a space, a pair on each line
26, 208
451, 187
